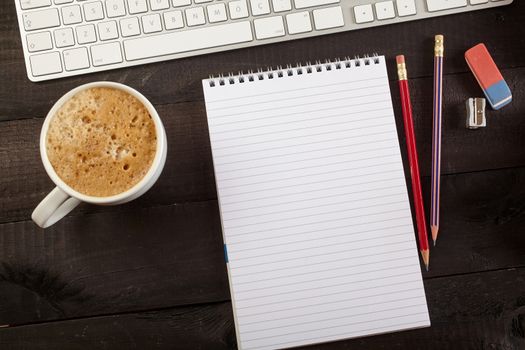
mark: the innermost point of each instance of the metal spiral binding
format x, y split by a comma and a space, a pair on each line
290, 70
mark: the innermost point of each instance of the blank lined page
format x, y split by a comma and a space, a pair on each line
314, 206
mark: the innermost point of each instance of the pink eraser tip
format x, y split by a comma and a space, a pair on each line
488, 76
400, 59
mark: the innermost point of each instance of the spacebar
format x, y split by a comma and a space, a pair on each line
189, 40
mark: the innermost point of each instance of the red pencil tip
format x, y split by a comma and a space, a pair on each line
400, 59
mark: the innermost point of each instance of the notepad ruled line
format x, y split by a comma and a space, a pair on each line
287, 99
229, 115
296, 129
310, 256
295, 89
301, 191
347, 233
240, 292
344, 107
345, 250
305, 216
321, 197
238, 300
303, 136
353, 257
287, 122
283, 228
342, 317
313, 167
303, 144
237, 194
338, 301
281, 155
280, 211
419, 322
402, 218
331, 269
332, 294
368, 150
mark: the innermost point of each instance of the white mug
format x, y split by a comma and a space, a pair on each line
63, 198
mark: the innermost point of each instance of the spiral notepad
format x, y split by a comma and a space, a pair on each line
317, 227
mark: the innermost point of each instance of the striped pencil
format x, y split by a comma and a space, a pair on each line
436, 136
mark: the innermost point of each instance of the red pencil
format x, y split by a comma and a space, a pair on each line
412, 158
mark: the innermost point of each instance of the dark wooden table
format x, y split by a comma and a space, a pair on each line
151, 274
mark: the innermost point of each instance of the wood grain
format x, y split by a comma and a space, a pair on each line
482, 216
479, 311
195, 327
112, 262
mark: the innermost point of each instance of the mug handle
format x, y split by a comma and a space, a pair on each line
54, 207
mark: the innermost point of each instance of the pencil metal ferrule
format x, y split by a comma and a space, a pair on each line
439, 47
402, 71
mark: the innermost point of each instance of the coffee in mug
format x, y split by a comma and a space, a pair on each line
101, 142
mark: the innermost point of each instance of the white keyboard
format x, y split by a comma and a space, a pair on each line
70, 37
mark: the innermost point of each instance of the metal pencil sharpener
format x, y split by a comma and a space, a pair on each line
476, 113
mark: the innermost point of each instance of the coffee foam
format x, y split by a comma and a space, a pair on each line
101, 142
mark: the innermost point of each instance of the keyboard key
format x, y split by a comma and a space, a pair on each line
331, 17
137, 6
156, 5
105, 54
281, 5
130, 27
363, 13
406, 7
188, 40
238, 9
179, 3
45, 64
41, 19
115, 8
216, 13
299, 22
440, 5
64, 37
269, 27
107, 30
151, 23
202, 1
385, 10
86, 34
33, 4
71, 14
173, 20
39, 42
477, 2
93, 11
260, 7
195, 16
60, 2
76, 59
301, 4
